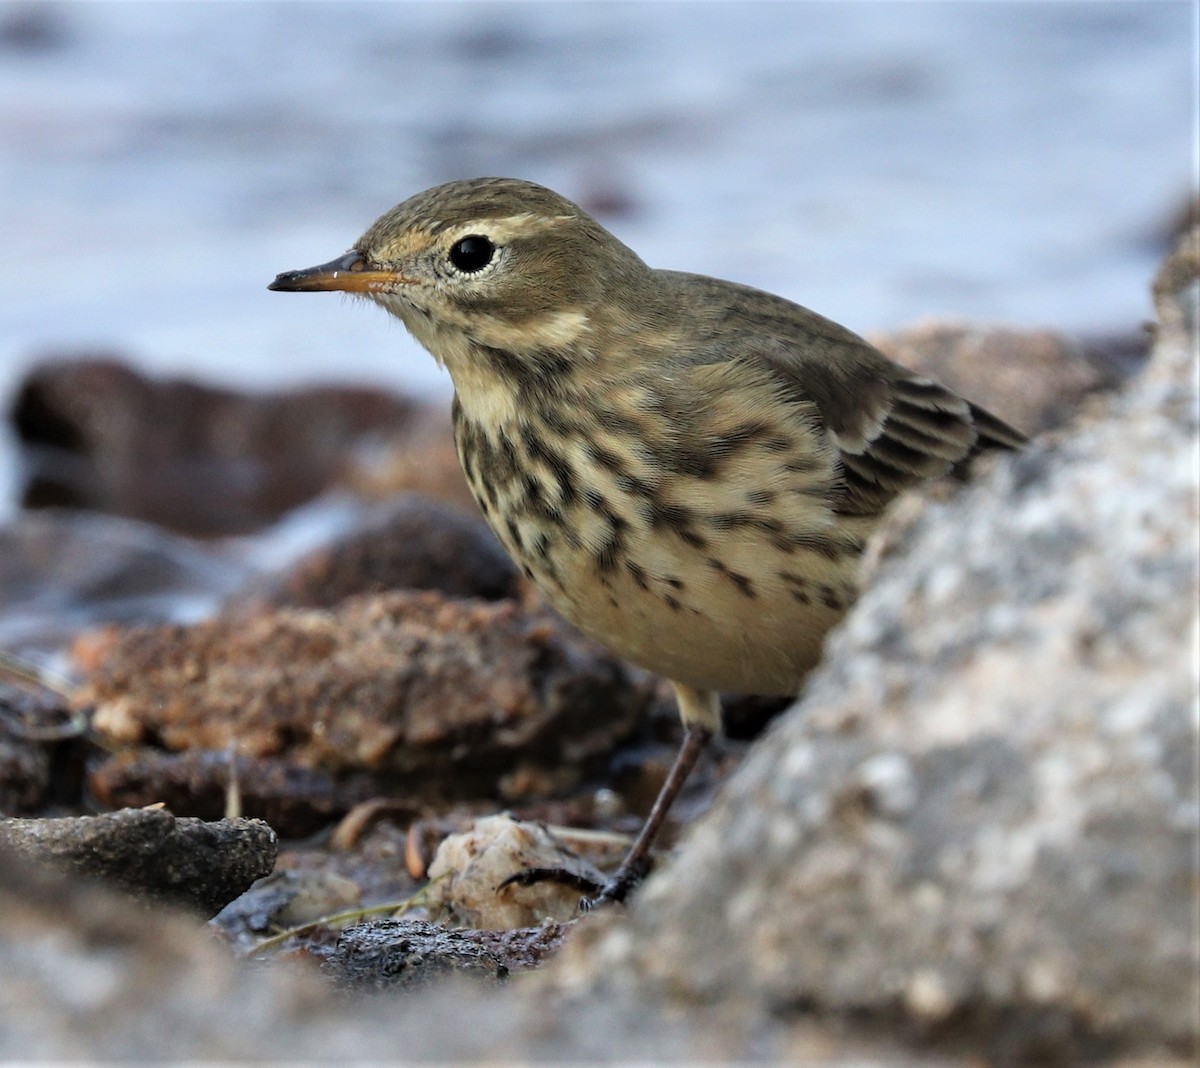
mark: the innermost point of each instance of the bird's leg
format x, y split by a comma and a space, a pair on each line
701, 714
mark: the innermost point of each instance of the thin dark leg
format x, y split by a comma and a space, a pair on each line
636, 861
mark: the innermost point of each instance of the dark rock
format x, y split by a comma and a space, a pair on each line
41, 749
295, 800
184, 456
432, 696
980, 821
526, 948
152, 854
408, 953
24, 760
24, 772
414, 543
63, 571
287, 899
404, 953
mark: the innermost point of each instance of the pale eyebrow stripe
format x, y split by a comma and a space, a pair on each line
507, 227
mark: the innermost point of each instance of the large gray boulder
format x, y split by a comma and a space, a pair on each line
981, 818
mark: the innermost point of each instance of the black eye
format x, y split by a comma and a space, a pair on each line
472, 253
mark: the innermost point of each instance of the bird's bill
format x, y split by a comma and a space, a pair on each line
350, 273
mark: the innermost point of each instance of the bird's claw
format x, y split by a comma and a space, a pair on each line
616, 889
575, 880
612, 891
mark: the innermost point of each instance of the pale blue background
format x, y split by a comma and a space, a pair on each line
880, 162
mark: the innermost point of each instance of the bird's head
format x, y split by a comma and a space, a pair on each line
496, 262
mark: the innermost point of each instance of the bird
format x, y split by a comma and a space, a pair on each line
688, 469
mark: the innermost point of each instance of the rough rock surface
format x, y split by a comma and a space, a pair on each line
151, 854
412, 953
981, 818
90, 978
408, 953
431, 695
412, 543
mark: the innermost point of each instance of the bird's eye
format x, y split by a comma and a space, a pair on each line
472, 253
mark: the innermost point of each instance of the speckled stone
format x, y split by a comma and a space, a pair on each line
982, 815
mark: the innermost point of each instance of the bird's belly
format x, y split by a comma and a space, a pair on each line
725, 584
754, 624
708, 552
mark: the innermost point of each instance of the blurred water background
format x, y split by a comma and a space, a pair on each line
880, 162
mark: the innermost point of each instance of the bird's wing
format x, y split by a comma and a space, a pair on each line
891, 427
921, 430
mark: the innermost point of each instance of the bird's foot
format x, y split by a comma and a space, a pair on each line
612, 891
575, 880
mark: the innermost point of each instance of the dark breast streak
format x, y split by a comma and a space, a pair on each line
595, 514
702, 556
528, 509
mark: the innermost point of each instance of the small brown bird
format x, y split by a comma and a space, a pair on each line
689, 469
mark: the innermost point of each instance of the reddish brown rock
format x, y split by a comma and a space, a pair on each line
413, 543
1035, 379
186, 456
433, 696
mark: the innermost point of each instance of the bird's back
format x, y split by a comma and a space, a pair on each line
890, 426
